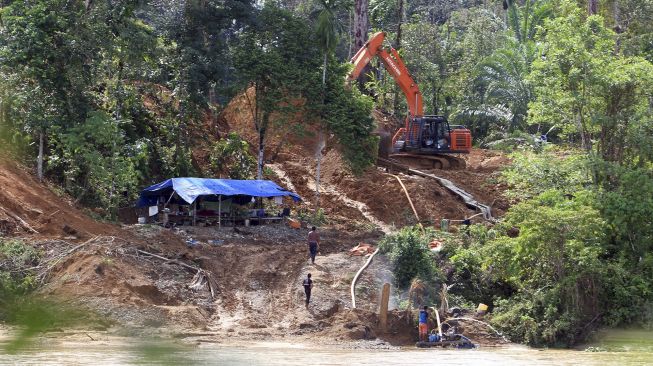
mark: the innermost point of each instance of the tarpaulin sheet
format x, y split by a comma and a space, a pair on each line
191, 188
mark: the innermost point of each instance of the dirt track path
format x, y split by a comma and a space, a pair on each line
260, 292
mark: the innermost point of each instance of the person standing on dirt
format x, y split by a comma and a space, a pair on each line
308, 286
313, 243
424, 324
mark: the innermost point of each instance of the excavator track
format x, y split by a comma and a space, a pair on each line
438, 161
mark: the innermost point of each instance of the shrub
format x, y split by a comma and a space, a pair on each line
410, 255
230, 156
16, 258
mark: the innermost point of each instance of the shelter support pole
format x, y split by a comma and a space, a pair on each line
219, 211
194, 212
168, 201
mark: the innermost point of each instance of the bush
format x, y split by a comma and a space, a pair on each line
230, 156
410, 255
16, 258
547, 283
532, 174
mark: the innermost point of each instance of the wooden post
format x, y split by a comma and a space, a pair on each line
219, 211
383, 313
194, 211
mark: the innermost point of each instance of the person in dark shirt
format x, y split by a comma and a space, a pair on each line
313, 243
308, 285
423, 324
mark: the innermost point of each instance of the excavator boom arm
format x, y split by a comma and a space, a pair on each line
395, 66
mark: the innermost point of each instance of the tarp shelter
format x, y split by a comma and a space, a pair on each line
189, 189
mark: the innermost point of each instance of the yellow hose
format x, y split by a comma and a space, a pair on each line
410, 201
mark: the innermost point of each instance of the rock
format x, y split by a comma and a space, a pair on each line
69, 230
361, 332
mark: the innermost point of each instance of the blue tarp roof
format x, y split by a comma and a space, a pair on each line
191, 188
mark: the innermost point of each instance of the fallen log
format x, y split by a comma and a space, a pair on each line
201, 277
21, 221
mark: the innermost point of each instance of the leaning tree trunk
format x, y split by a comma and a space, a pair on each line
260, 161
321, 142
593, 7
361, 25
39, 162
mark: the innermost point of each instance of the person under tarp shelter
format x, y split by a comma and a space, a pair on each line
188, 191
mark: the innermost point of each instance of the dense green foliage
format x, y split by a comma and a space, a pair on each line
563, 260
115, 89
410, 255
16, 259
230, 158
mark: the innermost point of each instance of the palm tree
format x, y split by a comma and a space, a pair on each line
524, 20
328, 29
501, 78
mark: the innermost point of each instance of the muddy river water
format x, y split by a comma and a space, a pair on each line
616, 348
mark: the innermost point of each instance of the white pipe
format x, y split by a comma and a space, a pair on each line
353, 282
437, 317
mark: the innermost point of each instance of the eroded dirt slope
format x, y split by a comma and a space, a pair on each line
376, 197
22, 197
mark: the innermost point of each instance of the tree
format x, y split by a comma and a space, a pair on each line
200, 33
591, 92
568, 77
347, 114
592, 7
524, 20
230, 156
501, 78
410, 255
328, 30
553, 267
276, 62
361, 27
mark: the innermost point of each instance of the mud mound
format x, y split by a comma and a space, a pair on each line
25, 203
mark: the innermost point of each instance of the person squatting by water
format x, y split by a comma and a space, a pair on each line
308, 285
423, 324
313, 243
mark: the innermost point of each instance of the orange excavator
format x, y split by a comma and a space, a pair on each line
425, 141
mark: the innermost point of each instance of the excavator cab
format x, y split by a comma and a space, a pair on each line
433, 135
